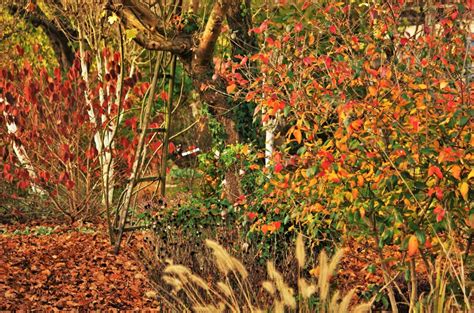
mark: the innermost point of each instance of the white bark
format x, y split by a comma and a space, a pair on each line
107, 162
20, 152
104, 140
107, 196
269, 141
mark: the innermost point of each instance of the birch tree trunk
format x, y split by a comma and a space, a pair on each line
20, 152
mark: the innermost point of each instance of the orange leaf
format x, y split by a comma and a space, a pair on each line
412, 245
298, 136
231, 88
372, 91
456, 172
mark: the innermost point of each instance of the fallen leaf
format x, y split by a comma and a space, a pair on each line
151, 294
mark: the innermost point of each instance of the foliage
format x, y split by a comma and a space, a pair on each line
377, 122
372, 120
19, 35
47, 117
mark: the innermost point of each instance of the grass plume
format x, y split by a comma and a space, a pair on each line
234, 294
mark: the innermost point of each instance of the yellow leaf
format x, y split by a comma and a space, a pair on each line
298, 136
443, 84
112, 19
348, 196
245, 150
333, 177
422, 86
315, 271
456, 172
471, 174
464, 188
231, 88
412, 245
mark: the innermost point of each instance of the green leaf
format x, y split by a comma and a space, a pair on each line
301, 150
421, 237
463, 120
427, 151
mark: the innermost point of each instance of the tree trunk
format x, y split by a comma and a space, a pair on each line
221, 109
196, 51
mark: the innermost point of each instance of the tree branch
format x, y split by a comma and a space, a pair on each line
58, 38
151, 35
205, 50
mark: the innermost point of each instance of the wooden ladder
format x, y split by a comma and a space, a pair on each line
124, 204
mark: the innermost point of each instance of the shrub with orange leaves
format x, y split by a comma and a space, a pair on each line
378, 121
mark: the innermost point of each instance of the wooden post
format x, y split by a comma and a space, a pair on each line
168, 109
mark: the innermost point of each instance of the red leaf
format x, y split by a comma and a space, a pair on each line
454, 15
328, 61
44, 175
252, 215
20, 50
132, 122
240, 200
91, 153
298, 27
436, 171
278, 168
64, 152
164, 96
332, 29
23, 184
6, 168
36, 48
308, 61
69, 184
63, 176
171, 148
117, 56
261, 28
436, 191
415, 123
440, 212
